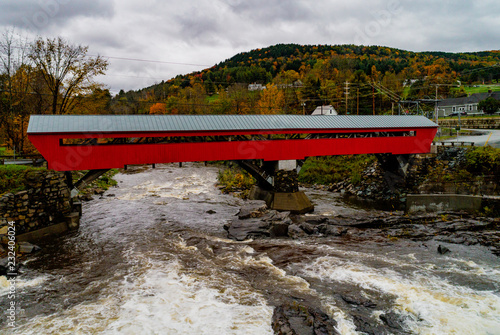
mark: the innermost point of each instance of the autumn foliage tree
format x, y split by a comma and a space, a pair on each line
272, 100
15, 98
354, 79
158, 109
45, 76
66, 70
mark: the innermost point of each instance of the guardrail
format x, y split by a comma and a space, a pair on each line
32, 159
454, 143
20, 156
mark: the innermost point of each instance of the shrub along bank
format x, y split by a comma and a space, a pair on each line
333, 169
235, 180
316, 170
13, 177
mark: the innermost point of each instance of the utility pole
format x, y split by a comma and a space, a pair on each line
373, 94
357, 103
436, 104
346, 95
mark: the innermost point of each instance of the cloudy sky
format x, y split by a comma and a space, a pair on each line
148, 41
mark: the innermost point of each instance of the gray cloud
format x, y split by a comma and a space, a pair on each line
210, 31
40, 15
198, 27
271, 11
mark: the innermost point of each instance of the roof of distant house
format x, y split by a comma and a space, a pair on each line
472, 99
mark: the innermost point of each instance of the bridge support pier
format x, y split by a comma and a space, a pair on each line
396, 164
277, 185
395, 167
89, 177
295, 202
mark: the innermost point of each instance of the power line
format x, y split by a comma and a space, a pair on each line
130, 59
149, 60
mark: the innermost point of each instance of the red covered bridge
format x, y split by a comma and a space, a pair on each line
89, 142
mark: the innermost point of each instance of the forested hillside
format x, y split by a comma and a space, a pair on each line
285, 78
354, 79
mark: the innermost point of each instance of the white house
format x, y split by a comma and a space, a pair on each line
256, 87
325, 110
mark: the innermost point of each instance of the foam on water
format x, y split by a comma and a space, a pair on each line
432, 305
467, 267
21, 283
172, 303
165, 182
161, 300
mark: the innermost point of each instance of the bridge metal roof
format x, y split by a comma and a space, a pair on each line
43, 124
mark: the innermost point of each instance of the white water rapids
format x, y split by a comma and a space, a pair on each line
152, 257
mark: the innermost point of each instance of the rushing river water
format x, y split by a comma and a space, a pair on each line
152, 257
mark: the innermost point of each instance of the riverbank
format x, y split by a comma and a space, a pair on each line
363, 182
471, 171
35, 204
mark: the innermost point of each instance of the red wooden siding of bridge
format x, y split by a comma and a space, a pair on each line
63, 157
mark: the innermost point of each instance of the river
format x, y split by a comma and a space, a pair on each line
151, 257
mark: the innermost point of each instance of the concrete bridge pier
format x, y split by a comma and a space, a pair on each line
278, 186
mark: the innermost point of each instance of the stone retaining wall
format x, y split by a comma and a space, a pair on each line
45, 202
416, 203
478, 123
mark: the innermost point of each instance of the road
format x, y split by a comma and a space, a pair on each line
480, 140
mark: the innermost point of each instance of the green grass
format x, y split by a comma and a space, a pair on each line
2, 151
13, 177
481, 88
213, 98
333, 169
470, 89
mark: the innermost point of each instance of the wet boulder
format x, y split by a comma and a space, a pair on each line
358, 301
394, 321
301, 319
252, 209
442, 249
309, 229
331, 230
241, 230
256, 221
7, 268
28, 248
295, 232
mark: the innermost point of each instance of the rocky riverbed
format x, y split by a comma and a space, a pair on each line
438, 232
254, 220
